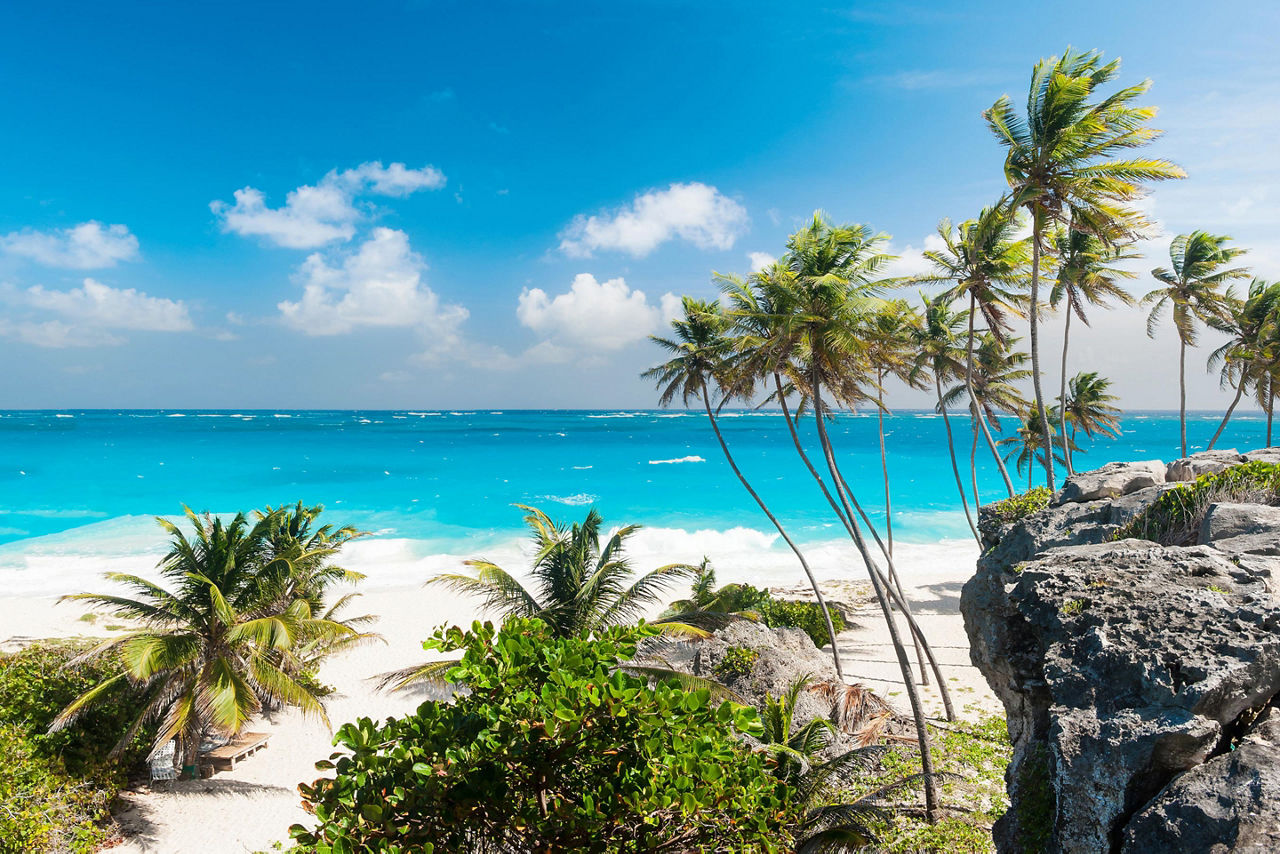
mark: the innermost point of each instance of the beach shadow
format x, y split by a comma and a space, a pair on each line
946, 598
136, 821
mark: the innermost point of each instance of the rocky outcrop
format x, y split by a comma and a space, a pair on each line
1129, 670
1205, 462
1111, 481
1242, 529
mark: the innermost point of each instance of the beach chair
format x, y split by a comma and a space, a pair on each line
162, 764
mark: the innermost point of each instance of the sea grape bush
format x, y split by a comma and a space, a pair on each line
737, 661
551, 747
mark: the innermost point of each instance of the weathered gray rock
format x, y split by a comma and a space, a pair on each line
1120, 665
1230, 803
1263, 455
1110, 481
1127, 507
1205, 462
1066, 524
1242, 529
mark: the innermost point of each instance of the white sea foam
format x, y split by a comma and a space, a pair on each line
176, 415
63, 415
281, 415
691, 459
581, 499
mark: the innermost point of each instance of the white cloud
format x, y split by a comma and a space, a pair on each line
595, 315
696, 213
760, 260
86, 246
313, 216
90, 315
378, 285
911, 261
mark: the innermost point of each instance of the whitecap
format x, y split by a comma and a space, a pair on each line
690, 459
581, 499
63, 415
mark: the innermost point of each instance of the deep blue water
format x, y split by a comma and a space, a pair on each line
70, 479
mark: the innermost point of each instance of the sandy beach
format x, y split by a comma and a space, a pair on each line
252, 806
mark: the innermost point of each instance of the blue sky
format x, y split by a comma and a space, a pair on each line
565, 170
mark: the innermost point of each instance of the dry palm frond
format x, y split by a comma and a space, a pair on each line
856, 709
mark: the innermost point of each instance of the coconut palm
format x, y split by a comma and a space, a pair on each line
1089, 408
1025, 446
1254, 343
219, 642
939, 355
1061, 165
1085, 277
1192, 286
986, 263
579, 584
702, 354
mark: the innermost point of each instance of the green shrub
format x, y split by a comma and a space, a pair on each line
737, 661
1015, 509
551, 747
806, 616
1175, 517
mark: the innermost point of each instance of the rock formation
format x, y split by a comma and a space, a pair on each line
1139, 678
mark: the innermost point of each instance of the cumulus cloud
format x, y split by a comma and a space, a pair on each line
911, 260
695, 212
606, 315
86, 246
313, 216
379, 285
91, 315
760, 260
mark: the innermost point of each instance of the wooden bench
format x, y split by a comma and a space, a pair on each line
224, 758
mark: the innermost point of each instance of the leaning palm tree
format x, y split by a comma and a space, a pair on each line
1085, 277
1254, 329
985, 262
939, 356
216, 644
1089, 407
1192, 286
1025, 448
702, 354
1061, 165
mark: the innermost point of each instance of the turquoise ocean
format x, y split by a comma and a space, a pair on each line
79, 490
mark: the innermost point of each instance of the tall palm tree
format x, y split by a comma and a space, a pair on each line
938, 353
219, 642
1088, 407
1085, 277
1061, 165
1025, 448
579, 584
986, 262
1254, 344
703, 353
836, 273
1192, 285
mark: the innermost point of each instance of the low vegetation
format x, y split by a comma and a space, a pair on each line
1174, 519
1017, 508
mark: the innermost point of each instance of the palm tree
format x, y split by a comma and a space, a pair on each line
987, 264
216, 645
1061, 165
702, 353
1192, 286
1025, 448
1088, 407
1085, 277
579, 584
937, 348
1254, 329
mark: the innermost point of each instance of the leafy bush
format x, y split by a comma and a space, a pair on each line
551, 747
1175, 517
56, 789
737, 661
806, 616
1000, 513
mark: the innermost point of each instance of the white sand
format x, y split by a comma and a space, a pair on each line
252, 806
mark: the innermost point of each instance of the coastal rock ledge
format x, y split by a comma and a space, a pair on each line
1141, 681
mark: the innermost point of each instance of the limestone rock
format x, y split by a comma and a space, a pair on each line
1111, 481
1230, 803
1205, 462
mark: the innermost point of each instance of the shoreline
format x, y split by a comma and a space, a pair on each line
253, 805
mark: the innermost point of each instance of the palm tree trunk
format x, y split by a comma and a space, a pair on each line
1182, 392
1271, 405
1062, 391
1225, 418
897, 596
884, 465
973, 467
977, 408
904, 665
813, 582
1035, 350
955, 468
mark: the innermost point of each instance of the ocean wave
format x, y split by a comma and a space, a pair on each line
580, 500
63, 415
691, 459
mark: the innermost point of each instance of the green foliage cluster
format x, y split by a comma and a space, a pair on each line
553, 747
1174, 518
1018, 507
56, 788
806, 616
737, 661
756, 604
973, 757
